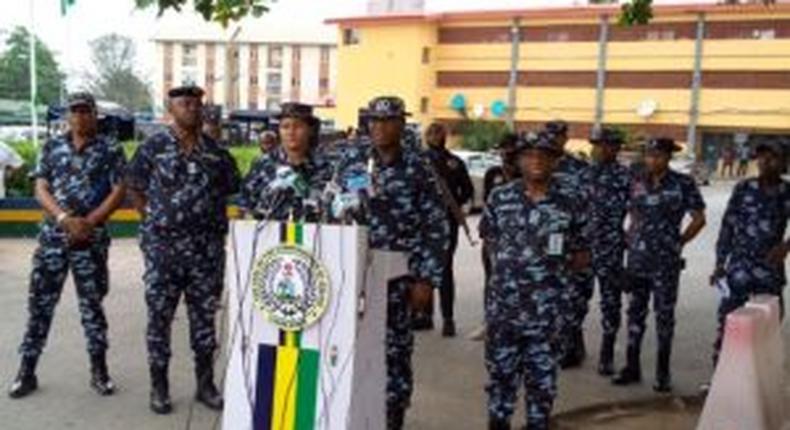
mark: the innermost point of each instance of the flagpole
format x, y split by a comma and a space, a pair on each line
33, 80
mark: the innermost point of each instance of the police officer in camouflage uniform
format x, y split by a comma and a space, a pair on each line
534, 232
659, 200
580, 288
288, 181
608, 185
180, 180
78, 185
752, 248
406, 214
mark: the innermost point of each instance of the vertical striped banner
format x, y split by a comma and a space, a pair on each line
286, 395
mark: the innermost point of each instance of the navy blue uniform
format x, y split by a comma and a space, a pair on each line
654, 258
531, 244
79, 182
755, 222
182, 236
406, 214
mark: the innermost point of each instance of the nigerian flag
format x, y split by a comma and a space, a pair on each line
65, 5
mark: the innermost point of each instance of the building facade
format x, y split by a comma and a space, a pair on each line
700, 73
257, 66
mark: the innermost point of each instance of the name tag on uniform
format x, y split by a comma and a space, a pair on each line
556, 243
192, 168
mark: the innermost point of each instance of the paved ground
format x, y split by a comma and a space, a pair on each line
450, 373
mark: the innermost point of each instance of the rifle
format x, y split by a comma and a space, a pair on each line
449, 200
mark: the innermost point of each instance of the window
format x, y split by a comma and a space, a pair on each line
189, 55
188, 77
426, 55
660, 35
275, 57
273, 104
325, 54
274, 83
253, 80
558, 36
351, 36
424, 102
764, 34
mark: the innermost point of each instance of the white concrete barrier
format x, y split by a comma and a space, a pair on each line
747, 390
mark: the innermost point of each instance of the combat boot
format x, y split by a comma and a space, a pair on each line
606, 358
663, 382
207, 393
632, 372
498, 424
160, 390
25, 381
100, 377
395, 418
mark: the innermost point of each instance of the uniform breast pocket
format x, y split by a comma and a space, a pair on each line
167, 172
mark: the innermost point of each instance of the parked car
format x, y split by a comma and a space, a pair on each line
477, 163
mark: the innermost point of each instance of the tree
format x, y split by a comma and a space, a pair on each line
636, 12
15, 70
221, 11
115, 79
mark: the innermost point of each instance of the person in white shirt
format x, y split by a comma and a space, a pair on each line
9, 161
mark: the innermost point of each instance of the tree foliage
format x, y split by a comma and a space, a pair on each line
636, 12
115, 79
221, 11
15, 70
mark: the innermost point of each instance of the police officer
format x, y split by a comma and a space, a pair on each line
79, 184
534, 232
452, 170
580, 288
608, 185
288, 181
659, 200
406, 215
752, 248
180, 180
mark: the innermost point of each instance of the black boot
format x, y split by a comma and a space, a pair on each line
25, 381
580, 352
606, 359
498, 424
573, 351
663, 382
160, 390
448, 330
100, 378
207, 393
632, 373
395, 418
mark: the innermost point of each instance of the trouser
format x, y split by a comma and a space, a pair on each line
192, 267
447, 289
51, 263
663, 286
400, 345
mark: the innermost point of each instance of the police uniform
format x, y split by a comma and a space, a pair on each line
754, 223
276, 189
531, 244
454, 173
607, 187
79, 181
579, 290
654, 259
182, 237
406, 214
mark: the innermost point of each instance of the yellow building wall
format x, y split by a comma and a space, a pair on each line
387, 61
758, 109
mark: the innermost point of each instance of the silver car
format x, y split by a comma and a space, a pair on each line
477, 163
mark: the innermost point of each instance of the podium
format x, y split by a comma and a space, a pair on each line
306, 327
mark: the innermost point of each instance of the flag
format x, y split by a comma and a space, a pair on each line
65, 5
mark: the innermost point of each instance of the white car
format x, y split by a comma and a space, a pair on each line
477, 163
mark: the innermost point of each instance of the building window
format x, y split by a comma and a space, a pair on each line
275, 57
764, 34
660, 35
426, 55
274, 83
558, 36
424, 103
188, 77
189, 55
351, 36
273, 103
325, 54
253, 80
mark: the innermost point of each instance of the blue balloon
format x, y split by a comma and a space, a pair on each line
458, 102
499, 108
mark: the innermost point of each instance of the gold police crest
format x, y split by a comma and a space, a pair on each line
290, 287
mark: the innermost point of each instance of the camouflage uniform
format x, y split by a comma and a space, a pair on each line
754, 222
263, 197
530, 244
406, 214
608, 187
579, 291
79, 182
182, 236
654, 258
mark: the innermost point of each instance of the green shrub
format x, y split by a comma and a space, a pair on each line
481, 135
20, 183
